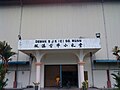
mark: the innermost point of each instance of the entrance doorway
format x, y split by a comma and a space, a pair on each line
51, 72
67, 73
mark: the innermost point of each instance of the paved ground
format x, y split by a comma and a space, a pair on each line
68, 89
58, 89
61, 89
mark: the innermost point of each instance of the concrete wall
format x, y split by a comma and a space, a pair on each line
10, 77
100, 79
60, 58
62, 21
23, 78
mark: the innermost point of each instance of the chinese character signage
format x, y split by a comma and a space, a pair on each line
76, 43
57, 44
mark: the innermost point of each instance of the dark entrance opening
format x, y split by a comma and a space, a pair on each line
51, 72
69, 74
65, 72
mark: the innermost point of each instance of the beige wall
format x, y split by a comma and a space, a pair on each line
10, 77
100, 79
62, 21
112, 15
9, 25
23, 79
60, 58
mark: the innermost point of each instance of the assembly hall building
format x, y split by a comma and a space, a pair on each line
69, 39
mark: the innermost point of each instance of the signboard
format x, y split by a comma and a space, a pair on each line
75, 43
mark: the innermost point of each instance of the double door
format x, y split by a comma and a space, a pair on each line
64, 72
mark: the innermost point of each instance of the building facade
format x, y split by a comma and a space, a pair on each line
50, 20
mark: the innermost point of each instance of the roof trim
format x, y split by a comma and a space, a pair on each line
17, 62
106, 61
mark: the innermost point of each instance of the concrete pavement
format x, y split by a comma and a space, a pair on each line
61, 89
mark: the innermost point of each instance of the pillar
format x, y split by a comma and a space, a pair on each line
108, 79
81, 73
38, 74
15, 80
38, 55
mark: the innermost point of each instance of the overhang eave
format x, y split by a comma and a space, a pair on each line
30, 52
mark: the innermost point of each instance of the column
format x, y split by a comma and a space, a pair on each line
108, 79
15, 80
38, 65
81, 72
38, 55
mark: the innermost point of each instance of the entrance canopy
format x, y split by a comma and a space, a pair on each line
50, 45
79, 46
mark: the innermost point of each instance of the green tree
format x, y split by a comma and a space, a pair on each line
3, 82
117, 79
116, 51
5, 56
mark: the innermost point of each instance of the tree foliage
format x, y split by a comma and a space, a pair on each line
5, 56
3, 82
5, 53
116, 51
117, 79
